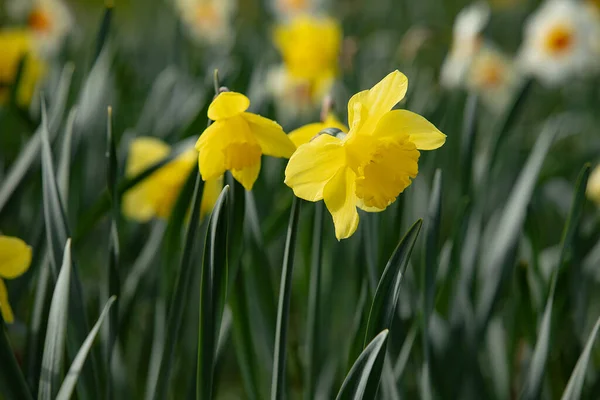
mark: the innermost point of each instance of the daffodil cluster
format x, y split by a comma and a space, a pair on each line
15, 258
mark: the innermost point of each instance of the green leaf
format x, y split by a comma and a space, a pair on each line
30, 153
388, 290
363, 379
68, 385
64, 166
468, 142
56, 332
237, 211
533, 383
313, 359
283, 308
180, 294
12, 381
57, 233
242, 338
104, 28
213, 289
499, 259
575, 384
114, 284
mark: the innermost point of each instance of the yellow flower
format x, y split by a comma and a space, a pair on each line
156, 195
372, 164
17, 45
593, 186
304, 134
15, 257
310, 48
237, 139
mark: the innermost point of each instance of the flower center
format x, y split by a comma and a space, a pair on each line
39, 20
490, 74
207, 15
559, 40
240, 155
386, 174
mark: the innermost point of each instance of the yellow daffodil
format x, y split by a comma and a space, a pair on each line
304, 134
372, 164
15, 257
310, 47
16, 45
237, 139
593, 186
156, 195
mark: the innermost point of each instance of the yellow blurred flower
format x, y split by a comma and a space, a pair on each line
237, 139
593, 186
50, 21
156, 195
208, 21
310, 47
15, 258
16, 45
372, 164
304, 134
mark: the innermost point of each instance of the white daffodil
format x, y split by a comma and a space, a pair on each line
493, 76
50, 21
290, 8
466, 42
561, 41
208, 21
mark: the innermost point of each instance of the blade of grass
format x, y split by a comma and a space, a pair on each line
468, 143
388, 290
498, 262
180, 294
366, 371
12, 381
533, 383
313, 361
52, 361
57, 233
30, 153
213, 288
114, 284
68, 385
104, 28
575, 384
283, 308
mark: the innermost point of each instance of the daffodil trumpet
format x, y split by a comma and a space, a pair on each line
369, 166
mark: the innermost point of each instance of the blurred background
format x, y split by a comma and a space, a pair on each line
515, 86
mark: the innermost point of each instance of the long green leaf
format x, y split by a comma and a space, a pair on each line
498, 262
366, 371
312, 328
12, 381
283, 308
57, 233
533, 383
30, 153
468, 143
575, 384
52, 362
68, 385
180, 294
213, 288
388, 290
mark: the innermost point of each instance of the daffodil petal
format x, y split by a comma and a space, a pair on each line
210, 145
270, 136
5, 309
380, 99
212, 190
15, 257
135, 204
143, 152
340, 200
227, 105
305, 133
247, 176
421, 132
313, 165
